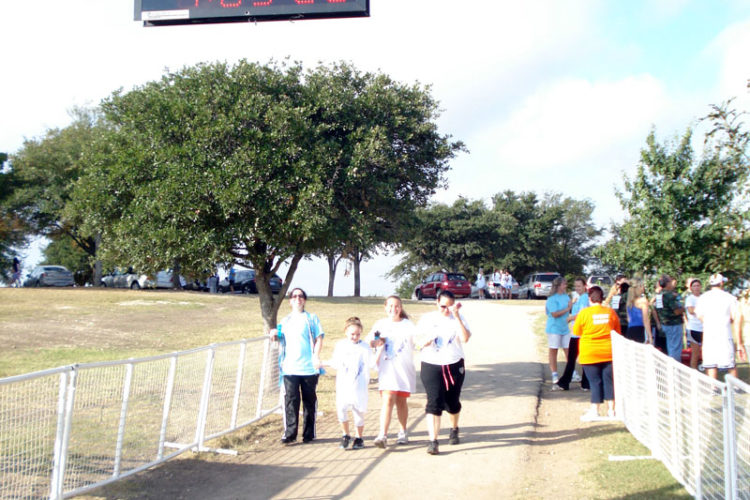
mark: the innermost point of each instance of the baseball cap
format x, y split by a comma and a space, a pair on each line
716, 279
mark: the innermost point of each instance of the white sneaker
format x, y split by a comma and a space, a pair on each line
555, 377
380, 442
590, 415
402, 439
575, 377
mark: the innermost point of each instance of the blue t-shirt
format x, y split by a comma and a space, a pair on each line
557, 302
300, 332
581, 303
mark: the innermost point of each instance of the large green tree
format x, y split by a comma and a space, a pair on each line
248, 164
683, 214
12, 230
44, 172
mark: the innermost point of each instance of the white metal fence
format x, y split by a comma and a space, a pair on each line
697, 426
68, 430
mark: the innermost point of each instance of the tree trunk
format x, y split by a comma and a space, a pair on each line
333, 263
356, 260
97, 262
269, 306
176, 274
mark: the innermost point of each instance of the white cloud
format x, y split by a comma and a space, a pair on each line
732, 48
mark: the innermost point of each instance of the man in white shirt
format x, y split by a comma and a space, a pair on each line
719, 311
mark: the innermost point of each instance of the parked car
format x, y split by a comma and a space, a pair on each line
49, 276
601, 280
244, 282
436, 283
164, 279
536, 285
126, 279
491, 287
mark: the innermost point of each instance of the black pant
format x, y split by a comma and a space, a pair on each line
564, 381
294, 386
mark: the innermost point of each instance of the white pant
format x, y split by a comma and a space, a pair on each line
359, 416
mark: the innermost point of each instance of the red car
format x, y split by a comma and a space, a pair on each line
436, 283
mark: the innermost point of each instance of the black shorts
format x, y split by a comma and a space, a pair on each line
694, 337
443, 383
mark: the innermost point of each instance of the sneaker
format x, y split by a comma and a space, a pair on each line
576, 377
287, 440
558, 387
590, 415
380, 442
402, 439
345, 441
358, 444
555, 377
453, 439
432, 448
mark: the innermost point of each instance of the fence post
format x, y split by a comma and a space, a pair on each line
69, 402
167, 405
55, 490
200, 430
262, 383
652, 414
123, 417
730, 440
238, 384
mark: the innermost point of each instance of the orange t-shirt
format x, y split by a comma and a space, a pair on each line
593, 325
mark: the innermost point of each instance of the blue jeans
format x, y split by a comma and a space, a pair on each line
601, 381
674, 341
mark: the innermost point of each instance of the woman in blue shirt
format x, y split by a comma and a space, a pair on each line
558, 334
570, 375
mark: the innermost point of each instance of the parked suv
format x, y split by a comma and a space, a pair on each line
436, 283
244, 282
601, 280
536, 285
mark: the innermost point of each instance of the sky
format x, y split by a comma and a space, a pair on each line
547, 95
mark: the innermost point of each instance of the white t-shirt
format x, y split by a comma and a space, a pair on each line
396, 371
352, 364
446, 347
480, 281
716, 308
693, 322
497, 278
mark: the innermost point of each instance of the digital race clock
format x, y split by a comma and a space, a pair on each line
167, 12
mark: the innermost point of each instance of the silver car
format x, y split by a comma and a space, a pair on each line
536, 285
126, 279
50, 276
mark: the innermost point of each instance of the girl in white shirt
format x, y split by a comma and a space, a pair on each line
393, 338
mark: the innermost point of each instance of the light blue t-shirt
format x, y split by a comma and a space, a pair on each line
300, 332
581, 303
557, 326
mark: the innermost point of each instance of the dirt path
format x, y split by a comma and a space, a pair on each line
505, 452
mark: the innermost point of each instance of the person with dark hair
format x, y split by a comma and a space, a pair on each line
301, 335
594, 325
693, 324
393, 339
15, 277
617, 298
442, 334
669, 308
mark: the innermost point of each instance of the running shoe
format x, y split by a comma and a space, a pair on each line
576, 377
432, 448
380, 442
345, 441
555, 377
358, 444
590, 416
453, 439
402, 439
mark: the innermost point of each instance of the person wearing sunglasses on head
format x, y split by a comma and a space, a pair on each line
442, 334
301, 336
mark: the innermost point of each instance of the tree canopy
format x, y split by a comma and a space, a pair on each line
519, 232
258, 164
685, 214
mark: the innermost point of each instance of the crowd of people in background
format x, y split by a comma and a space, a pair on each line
707, 325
